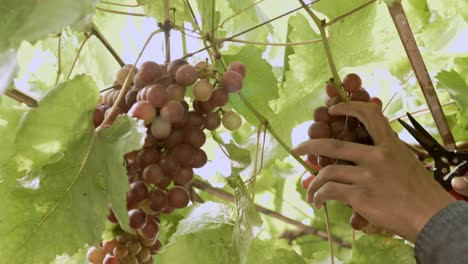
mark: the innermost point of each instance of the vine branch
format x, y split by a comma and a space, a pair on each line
119, 12
118, 4
419, 67
339, 18
59, 57
87, 36
269, 43
224, 195
22, 98
167, 30
96, 32
321, 24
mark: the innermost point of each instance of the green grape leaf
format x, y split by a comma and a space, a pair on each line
248, 222
260, 85
380, 249
64, 203
46, 131
155, 8
32, 20
8, 68
453, 83
10, 116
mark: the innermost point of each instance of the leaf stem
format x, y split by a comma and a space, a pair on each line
224, 195
239, 12
126, 83
167, 30
330, 242
269, 43
339, 18
322, 26
118, 4
96, 32
249, 29
87, 36
119, 12
59, 58
22, 98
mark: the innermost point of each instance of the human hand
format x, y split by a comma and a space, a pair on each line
388, 186
460, 185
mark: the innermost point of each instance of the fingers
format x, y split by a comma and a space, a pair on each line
331, 191
333, 148
370, 115
333, 173
460, 185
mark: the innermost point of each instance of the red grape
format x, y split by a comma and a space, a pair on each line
157, 200
175, 65
153, 174
332, 91
143, 110
157, 95
239, 68
232, 81
195, 137
220, 97
178, 197
202, 90
173, 111
96, 255
176, 92
319, 129
231, 120
203, 70
306, 180
109, 259
185, 176
183, 153
186, 75
120, 251
321, 114
138, 191
147, 156
352, 83
212, 121
360, 95
161, 128
150, 230
199, 158
377, 101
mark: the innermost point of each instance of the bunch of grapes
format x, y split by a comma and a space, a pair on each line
345, 128
161, 172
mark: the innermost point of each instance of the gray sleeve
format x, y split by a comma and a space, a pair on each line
444, 239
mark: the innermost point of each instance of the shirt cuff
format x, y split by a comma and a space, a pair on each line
444, 239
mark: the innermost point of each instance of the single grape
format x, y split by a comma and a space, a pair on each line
150, 72
141, 96
175, 65
118, 111
239, 68
182, 121
109, 246
195, 137
185, 176
96, 255
220, 97
331, 90
138, 191
203, 107
202, 90
183, 153
150, 230
336, 100
150, 140
136, 218
147, 156
186, 75
133, 247
232, 81
120, 251
109, 259
156, 247
231, 120
176, 137
98, 115
161, 128
319, 129
360, 95
143, 110
129, 260
306, 180
144, 255
157, 95
324, 161
176, 92
377, 101
169, 165
158, 200
131, 97
153, 174
173, 111
352, 83
312, 161
111, 217
203, 69
199, 158
212, 121
123, 73
218, 56
178, 197
357, 221
165, 182
338, 125
195, 119
321, 114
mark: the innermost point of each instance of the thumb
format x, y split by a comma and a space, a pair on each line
460, 185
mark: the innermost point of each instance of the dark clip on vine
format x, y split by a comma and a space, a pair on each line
448, 164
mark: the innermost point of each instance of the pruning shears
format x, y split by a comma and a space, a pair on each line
448, 164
